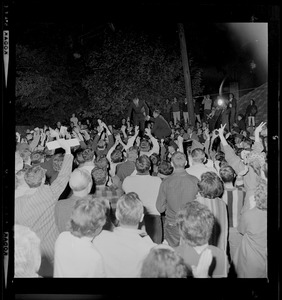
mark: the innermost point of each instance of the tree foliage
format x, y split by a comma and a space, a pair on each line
129, 65
51, 84
44, 88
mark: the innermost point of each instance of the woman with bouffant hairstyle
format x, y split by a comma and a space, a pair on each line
75, 255
195, 222
163, 262
211, 189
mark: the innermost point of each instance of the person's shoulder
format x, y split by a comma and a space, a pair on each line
192, 177
216, 251
68, 201
64, 236
104, 235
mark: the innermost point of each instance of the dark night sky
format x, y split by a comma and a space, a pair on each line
208, 37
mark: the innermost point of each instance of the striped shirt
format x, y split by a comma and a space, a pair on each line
35, 209
220, 228
234, 199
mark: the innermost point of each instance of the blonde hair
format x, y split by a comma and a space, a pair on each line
129, 209
27, 252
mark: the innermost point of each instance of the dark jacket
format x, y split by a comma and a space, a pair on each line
251, 110
161, 129
138, 111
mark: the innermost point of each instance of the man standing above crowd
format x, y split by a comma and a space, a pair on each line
175, 111
139, 110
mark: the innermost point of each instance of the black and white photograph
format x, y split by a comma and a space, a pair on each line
137, 143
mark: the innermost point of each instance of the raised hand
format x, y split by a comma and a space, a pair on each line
202, 269
259, 128
148, 131
221, 129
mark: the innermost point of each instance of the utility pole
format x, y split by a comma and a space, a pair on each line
186, 70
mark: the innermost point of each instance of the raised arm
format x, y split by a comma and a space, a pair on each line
60, 183
131, 140
233, 160
108, 156
156, 146
180, 143
35, 141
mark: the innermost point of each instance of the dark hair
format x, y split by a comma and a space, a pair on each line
219, 156
227, 173
116, 156
210, 186
165, 168
87, 154
155, 159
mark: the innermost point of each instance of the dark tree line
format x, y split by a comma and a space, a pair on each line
52, 83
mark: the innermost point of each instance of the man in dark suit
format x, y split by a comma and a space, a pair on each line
139, 110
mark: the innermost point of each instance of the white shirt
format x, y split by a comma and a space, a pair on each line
77, 257
123, 251
146, 187
198, 169
87, 168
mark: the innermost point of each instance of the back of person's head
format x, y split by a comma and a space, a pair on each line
88, 217
195, 222
198, 155
58, 161
88, 154
27, 256
143, 164
132, 153
172, 146
163, 262
36, 157
178, 160
99, 175
34, 176
165, 168
80, 180
129, 210
101, 162
210, 186
116, 156
261, 194
227, 173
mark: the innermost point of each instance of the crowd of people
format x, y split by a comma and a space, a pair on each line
153, 197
